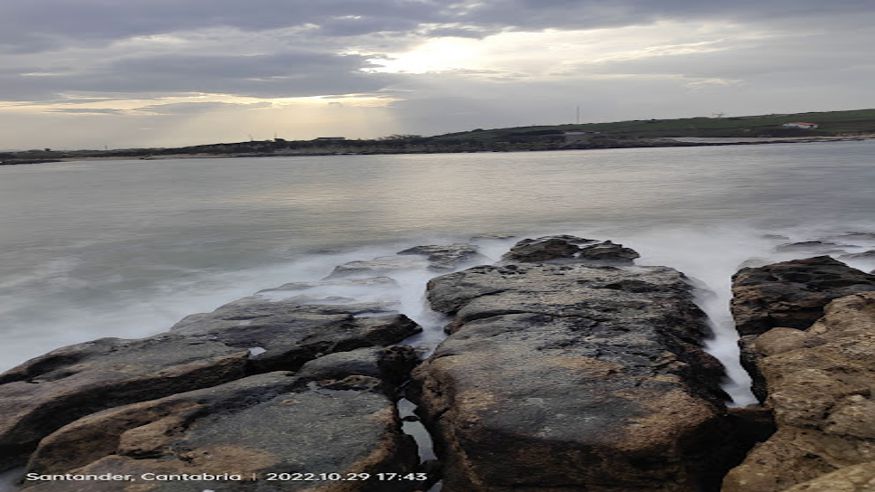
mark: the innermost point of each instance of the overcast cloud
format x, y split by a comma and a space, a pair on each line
89, 73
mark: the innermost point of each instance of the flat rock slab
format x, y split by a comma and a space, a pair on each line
819, 385
270, 423
289, 334
45, 393
792, 293
244, 337
571, 377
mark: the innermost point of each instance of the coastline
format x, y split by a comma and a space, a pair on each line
668, 142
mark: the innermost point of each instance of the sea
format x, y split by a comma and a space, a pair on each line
125, 248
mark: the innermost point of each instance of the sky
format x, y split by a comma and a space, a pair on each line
152, 73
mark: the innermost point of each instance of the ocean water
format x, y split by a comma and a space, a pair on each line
127, 248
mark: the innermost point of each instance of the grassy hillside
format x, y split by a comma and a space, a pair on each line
831, 123
635, 133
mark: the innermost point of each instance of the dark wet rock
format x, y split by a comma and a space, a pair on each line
269, 423
378, 266
246, 336
561, 247
780, 237
392, 364
433, 469
571, 377
49, 391
566, 248
819, 385
748, 359
608, 252
291, 334
792, 293
447, 257
753, 424
865, 255
822, 247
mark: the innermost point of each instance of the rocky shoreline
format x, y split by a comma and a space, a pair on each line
565, 367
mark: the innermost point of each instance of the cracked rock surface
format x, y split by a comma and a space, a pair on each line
572, 377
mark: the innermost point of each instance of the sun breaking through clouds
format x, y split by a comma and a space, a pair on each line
163, 73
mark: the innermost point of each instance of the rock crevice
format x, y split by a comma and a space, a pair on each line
563, 374
816, 379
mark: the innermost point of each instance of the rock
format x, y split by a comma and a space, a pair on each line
447, 257
291, 334
820, 390
246, 336
561, 247
52, 390
822, 247
269, 423
856, 478
748, 359
392, 364
865, 255
566, 248
775, 236
791, 293
608, 252
378, 266
568, 377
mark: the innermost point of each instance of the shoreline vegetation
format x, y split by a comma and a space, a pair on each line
679, 132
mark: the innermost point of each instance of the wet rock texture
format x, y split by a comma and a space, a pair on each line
566, 248
244, 337
447, 257
267, 423
572, 377
435, 257
819, 383
792, 294
857, 478
50, 391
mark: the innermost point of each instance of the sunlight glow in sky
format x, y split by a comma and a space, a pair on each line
155, 73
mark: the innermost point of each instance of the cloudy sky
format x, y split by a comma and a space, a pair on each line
120, 73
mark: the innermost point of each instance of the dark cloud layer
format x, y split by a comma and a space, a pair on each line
307, 63
146, 49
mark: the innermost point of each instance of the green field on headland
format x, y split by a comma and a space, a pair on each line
619, 134
830, 123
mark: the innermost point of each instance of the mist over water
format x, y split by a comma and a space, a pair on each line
127, 248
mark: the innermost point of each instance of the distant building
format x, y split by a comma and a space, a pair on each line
800, 124
330, 139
